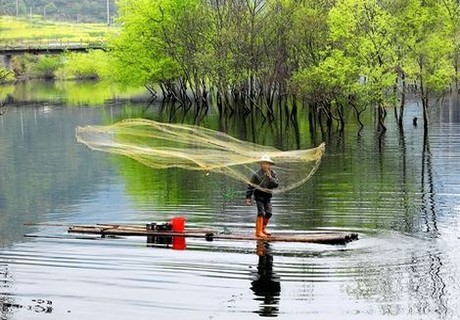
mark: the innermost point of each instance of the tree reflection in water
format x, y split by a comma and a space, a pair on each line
266, 284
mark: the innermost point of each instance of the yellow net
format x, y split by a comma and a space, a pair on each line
163, 145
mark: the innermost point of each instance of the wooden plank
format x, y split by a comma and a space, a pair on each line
209, 234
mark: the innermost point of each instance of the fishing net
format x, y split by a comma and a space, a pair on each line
163, 145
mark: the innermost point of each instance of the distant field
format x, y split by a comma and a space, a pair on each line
32, 29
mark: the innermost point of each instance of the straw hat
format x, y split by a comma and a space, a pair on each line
265, 158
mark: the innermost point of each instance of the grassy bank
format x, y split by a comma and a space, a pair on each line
34, 28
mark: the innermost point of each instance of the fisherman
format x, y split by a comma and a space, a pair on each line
261, 185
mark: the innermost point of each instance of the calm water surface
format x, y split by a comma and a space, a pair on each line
401, 197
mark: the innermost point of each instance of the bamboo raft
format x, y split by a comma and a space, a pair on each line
210, 235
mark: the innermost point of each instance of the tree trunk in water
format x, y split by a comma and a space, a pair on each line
219, 103
457, 58
403, 100
425, 113
151, 90
293, 115
381, 117
312, 121
425, 99
341, 117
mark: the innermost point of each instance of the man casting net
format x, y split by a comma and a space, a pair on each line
163, 145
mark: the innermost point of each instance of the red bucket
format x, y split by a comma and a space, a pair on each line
178, 243
178, 224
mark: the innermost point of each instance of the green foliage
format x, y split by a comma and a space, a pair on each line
142, 52
23, 66
363, 31
46, 66
309, 32
334, 78
72, 65
329, 52
31, 66
6, 75
430, 50
434, 69
92, 65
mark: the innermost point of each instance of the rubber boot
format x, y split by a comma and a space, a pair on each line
259, 227
260, 248
264, 225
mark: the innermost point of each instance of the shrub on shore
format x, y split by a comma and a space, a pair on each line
31, 66
6, 75
91, 65
71, 65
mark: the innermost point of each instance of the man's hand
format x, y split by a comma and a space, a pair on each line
268, 173
248, 201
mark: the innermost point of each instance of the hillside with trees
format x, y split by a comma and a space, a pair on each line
63, 10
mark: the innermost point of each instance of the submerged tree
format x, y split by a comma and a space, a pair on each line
451, 10
252, 55
363, 30
139, 51
330, 86
425, 49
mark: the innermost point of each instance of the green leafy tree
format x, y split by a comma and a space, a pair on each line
408, 23
309, 34
137, 49
363, 30
159, 43
235, 51
430, 47
331, 85
320, 73
453, 11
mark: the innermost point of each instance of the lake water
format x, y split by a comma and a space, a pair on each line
402, 196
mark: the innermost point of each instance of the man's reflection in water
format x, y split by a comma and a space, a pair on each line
266, 284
